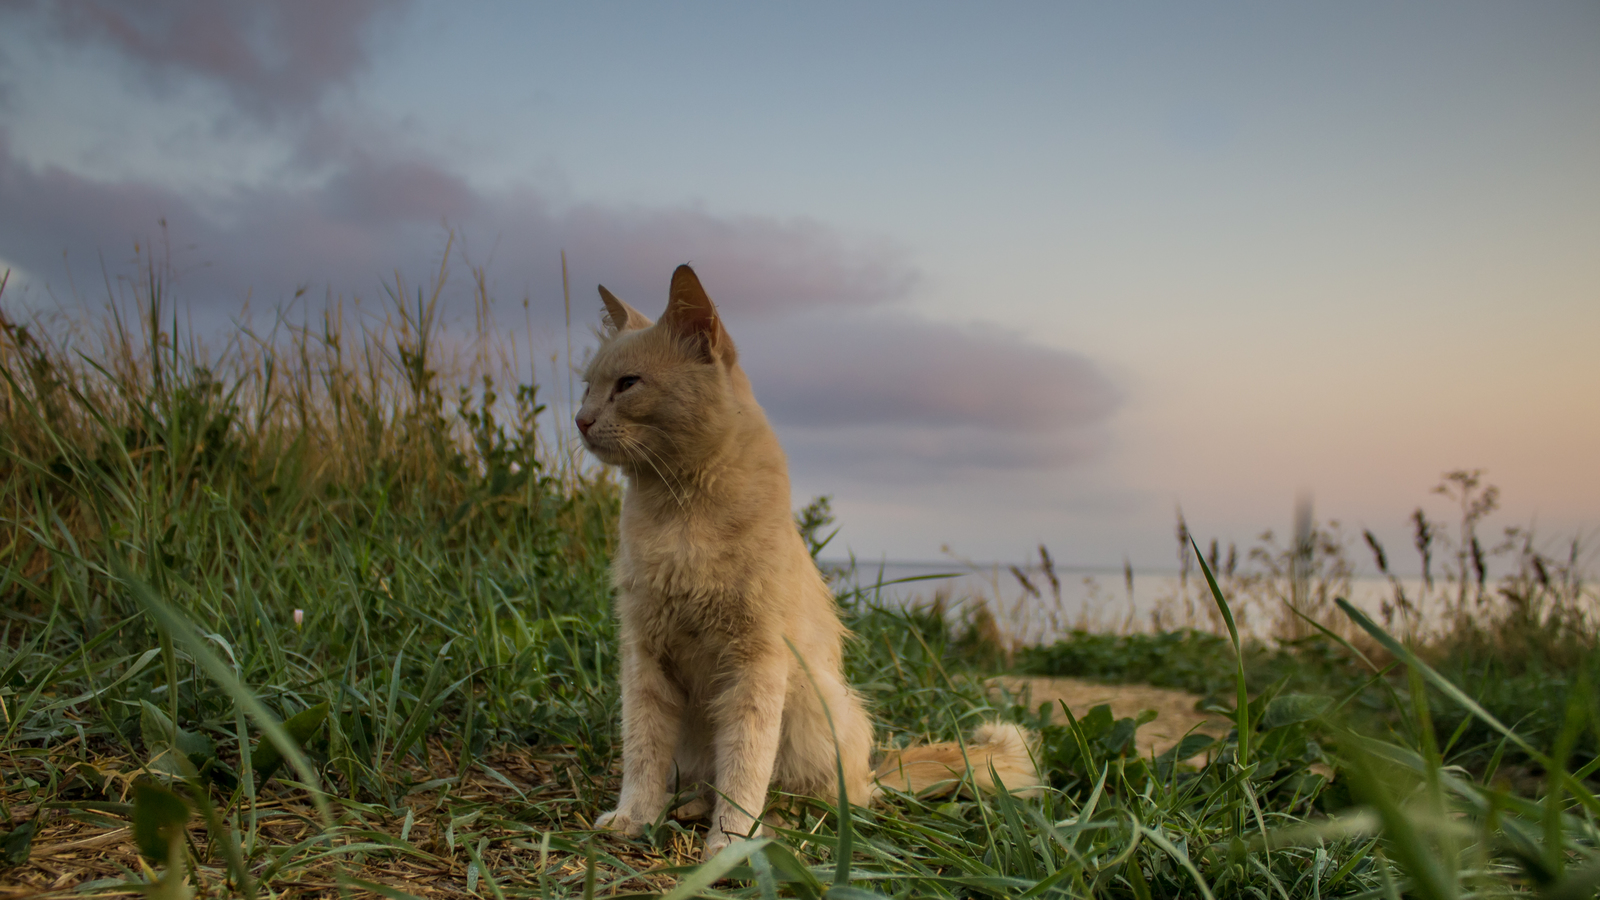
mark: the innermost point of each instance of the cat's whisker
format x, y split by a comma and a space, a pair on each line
657, 429
672, 488
668, 438
649, 458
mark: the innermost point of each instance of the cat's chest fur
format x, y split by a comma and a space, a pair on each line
692, 584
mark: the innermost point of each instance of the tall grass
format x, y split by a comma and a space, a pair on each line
324, 615
1517, 643
339, 519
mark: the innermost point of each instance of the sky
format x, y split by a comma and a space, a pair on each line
1001, 274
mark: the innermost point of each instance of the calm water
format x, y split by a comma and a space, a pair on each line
1102, 599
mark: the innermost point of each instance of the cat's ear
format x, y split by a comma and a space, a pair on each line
620, 316
692, 314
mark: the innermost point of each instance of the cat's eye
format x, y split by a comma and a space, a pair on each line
626, 381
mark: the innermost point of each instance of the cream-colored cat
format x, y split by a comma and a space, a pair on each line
731, 644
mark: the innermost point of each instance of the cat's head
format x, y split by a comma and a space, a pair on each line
661, 395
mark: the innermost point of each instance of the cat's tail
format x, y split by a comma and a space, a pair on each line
997, 750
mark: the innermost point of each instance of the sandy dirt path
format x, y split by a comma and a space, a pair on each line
1175, 712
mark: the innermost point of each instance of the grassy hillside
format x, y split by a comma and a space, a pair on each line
324, 614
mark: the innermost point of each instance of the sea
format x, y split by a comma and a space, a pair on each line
1032, 604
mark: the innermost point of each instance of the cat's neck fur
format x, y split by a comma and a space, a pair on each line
720, 468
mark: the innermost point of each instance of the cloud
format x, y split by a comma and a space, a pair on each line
272, 58
854, 389
374, 215
901, 397
903, 370
766, 265
378, 194
352, 210
853, 386
7, 92
912, 454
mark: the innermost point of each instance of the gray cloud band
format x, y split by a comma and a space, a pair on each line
881, 396
274, 59
874, 394
881, 368
375, 216
899, 394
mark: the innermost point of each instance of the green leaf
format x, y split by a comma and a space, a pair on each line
1117, 742
160, 734
18, 843
301, 726
1179, 855
159, 816
382, 890
1242, 707
791, 870
1191, 746
1579, 792
713, 869
846, 892
765, 882
180, 628
1579, 884
196, 746
1097, 721
1291, 709
154, 727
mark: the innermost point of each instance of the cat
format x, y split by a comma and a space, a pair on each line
731, 643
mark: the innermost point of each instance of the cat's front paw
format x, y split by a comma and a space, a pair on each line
716, 842
620, 822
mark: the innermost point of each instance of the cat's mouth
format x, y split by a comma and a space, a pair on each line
608, 452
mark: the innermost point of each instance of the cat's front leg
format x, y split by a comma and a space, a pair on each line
749, 723
652, 714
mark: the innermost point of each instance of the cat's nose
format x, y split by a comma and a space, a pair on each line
583, 424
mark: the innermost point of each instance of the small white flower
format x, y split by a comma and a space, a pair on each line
299, 617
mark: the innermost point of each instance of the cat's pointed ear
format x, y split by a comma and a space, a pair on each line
620, 316
692, 314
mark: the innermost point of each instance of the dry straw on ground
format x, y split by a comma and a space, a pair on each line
93, 849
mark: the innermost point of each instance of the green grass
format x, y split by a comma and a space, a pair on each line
442, 717
1518, 669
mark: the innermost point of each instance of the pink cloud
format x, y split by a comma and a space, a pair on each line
902, 369
272, 57
880, 395
765, 265
380, 194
